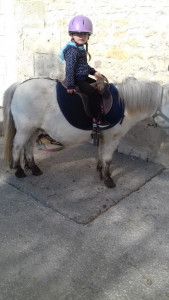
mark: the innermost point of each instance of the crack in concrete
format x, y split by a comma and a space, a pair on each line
45, 203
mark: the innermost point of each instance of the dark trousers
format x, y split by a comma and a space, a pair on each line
95, 98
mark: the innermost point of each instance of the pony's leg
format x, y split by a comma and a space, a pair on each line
28, 155
107, 146
18, 144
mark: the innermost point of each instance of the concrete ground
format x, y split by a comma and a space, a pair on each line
64, 236
1, 120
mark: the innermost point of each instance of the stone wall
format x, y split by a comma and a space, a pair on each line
131, 38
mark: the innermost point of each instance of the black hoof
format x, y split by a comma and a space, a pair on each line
109, 183
20, 173
36, 171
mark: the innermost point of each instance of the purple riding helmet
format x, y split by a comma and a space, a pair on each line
81, 24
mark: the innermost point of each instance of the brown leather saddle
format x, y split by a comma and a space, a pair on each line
102, 87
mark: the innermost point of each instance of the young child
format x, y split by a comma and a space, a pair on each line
77, 68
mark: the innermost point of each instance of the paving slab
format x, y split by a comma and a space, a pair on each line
71, 186
134, 238
1, 121
34, 244
122, 254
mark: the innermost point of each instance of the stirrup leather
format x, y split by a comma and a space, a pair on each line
95, 133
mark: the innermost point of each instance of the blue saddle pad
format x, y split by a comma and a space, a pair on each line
73, 110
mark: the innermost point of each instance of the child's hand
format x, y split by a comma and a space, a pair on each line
71, 91
97, 75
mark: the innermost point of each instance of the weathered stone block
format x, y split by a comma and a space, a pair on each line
47, 64
117, 53
31, 13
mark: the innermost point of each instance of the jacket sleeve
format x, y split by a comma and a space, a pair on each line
91, 71
70, 55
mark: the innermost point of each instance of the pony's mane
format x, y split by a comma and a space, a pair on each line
140, 95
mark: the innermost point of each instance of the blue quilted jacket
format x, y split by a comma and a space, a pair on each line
77, 67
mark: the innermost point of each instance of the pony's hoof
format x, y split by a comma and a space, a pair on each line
109, 183
20, 173
36, 171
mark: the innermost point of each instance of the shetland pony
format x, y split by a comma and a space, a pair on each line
32, 105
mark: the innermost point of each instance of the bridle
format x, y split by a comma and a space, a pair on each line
159, 113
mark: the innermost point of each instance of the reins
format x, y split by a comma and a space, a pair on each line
106, 80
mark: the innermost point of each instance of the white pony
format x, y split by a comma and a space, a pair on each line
32, 105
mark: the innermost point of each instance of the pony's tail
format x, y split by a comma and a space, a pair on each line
9, 129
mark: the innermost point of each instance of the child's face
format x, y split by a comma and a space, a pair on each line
80, 37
